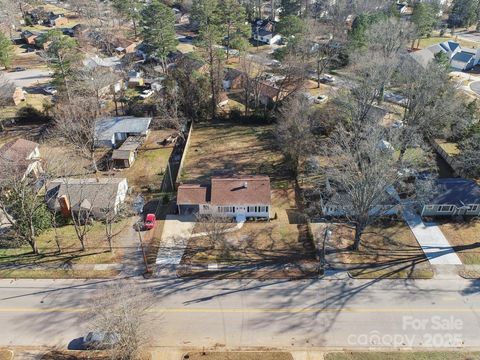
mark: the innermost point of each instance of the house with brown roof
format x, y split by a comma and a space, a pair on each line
21, 156
239, 197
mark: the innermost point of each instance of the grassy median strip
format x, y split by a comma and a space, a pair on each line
417, 355
227, 355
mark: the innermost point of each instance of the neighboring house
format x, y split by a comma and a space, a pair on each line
233, 79
180, 16
80, 31
22, 156
264, 31
92, 62
112, 88
125, 155
29, 37
125, 46
454, 196
55, 20
135, 79
460, 59
94, 197
188, 63
238, 197
111, 132
269, 93
13, 96
335, 203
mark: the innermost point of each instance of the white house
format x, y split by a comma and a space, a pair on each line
454, 196
264, 31
237, 197
21, 155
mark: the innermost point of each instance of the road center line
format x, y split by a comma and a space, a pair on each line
256, 310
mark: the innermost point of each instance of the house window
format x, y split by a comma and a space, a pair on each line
206, 207
446, 208
429, 207
226, 209
472, 208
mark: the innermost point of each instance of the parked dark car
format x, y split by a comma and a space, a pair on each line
100, 340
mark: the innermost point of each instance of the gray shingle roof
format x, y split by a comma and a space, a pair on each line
106, 128
456, 192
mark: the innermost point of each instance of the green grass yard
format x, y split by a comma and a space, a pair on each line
21, 262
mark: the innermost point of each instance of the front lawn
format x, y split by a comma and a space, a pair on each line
282, 240
71, 262
465, 239
388, 250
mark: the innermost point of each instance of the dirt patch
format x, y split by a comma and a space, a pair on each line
74, 355
464, 237
238, 356
388, 250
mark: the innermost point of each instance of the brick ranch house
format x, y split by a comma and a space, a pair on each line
237, 197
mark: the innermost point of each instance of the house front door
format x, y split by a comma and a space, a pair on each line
240, 209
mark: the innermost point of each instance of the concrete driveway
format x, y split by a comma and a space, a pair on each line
29, 77
176, 232
431, 239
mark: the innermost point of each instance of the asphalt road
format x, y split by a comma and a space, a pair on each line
29, 77
302, 314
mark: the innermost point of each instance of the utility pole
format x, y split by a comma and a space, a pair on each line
326, 237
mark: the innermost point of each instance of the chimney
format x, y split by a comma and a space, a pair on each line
245, 185
64, 206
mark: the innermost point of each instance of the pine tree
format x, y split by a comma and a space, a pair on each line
158, 30
237, 29
7, 51
209, 17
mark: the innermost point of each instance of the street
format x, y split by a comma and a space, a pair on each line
29, 77
249, 313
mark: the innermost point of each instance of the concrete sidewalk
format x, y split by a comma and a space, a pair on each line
432, 241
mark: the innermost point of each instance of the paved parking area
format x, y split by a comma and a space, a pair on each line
29, 77
176, 233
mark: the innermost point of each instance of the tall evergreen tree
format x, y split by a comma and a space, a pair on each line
158, 30
209, 17
290, 7
237, 29
7, 51
424, 18
464, 13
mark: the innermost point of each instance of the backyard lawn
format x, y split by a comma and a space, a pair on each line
21, 262
147, 172
388, 249
282, 240
465, 239
232, 149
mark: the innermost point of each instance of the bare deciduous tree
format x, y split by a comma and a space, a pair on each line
121, 309
294, 130
75, 125
360, 174
215, 227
